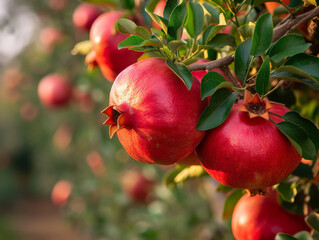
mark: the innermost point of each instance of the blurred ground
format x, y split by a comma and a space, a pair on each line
36, 219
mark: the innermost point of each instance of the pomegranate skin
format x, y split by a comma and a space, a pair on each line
160, 114
248, 153
261, 218
54, 90
84, 16
105, 40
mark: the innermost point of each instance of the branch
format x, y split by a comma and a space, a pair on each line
286, 26
231, 77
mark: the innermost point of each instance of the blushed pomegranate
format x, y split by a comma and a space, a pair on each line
154, 114
84, 16
105, 40
54, 90
261, 218
248, 151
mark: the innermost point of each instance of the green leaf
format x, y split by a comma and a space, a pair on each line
109, 3
303, 235
169, 177
177, 20
306, 63
295, 74
295, 3
218, 110
175, 44
169, 7
195, 19
162, 22
246, 30
131, 41
126, 26
211, 82
211, 32
287, 191
313, 220
309, 127
298, 137
128, 4
231, 202
287, 46
243, 59
263, 77
284, 236
182, 72
221, 40
262, 35
152, 54
142, 32
213, 12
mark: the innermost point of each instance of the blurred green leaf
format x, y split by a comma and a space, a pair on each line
213, 12
231, 202
218, 110
288, 191
243, 59
313, 220
284, 236
262, 37
169, 7
162, 22
211, 32
211, 82
222, 40
303, 171
263, 77
182, 72
295, 3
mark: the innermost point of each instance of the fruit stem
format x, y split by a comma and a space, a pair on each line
272, 90
278, 115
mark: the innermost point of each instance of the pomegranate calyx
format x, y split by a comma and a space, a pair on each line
115, 120
254, 192
90, 60
255, 106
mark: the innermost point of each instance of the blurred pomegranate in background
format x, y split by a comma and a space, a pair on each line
137, 186
84, 16
54, 90
49, 37
61, 193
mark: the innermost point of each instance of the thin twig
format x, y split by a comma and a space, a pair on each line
286, 26
231, 77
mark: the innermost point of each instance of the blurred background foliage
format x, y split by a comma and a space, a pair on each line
65, 156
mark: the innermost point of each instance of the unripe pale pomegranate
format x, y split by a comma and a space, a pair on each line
105, 40
248, 151
261, 218
84, 16
54, 90
154, 114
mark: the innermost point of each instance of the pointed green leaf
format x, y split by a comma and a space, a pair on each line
126, 26
175, 44
313, 220
243, 59
211, 82
309, 127
263, 77
211, 32
231, 202
221, 40
263, 33
287, 191
162, 22
131, 41
303, 171
142, 32
287, 46
295, 74
212, 11
128, 4
177, 20
298, 137
169, 7
195, 19
182, 72
303, 235
218, 110
295, 3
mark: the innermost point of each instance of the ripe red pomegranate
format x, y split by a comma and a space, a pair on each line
105, 40
248, 151
137, 186
189, 160
154, 114
261, 218
54, 90
84, 16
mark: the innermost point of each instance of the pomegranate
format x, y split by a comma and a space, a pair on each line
84, 16
154, 114
248, 151
271, 6
105, 40
137, 186
261, 218
49, 38
191, 159
54, 90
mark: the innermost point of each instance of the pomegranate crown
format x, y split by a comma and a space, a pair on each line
115, 119
255, 106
